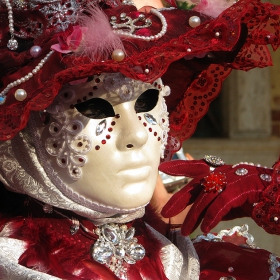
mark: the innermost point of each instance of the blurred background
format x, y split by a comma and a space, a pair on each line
243, 124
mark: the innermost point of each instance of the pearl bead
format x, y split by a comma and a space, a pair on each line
217, 34
118, 55
147, 71
194, 21
230, 269
35, 51
275, 219
20, 94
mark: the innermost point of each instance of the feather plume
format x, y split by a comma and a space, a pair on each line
99, 40
213, 8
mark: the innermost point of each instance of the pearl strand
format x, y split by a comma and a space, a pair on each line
24, 79
148, 38
12, 43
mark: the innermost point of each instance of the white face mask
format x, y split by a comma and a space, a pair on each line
105, 139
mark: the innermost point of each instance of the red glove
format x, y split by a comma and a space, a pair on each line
218, 193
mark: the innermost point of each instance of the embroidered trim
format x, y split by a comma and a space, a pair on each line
241, 231
274, 264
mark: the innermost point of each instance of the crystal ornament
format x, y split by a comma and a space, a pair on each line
241, 171
12, 44
75, 226
115, 247
150, 119
101, 127
47, 208
213, 160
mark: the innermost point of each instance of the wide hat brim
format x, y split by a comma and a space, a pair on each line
193, 61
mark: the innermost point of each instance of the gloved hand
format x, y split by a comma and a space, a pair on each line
218, 193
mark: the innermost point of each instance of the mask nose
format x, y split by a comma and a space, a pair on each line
132, 134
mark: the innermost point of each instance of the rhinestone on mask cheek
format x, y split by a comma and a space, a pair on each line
66, 142
102, 127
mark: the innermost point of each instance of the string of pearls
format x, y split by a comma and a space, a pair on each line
148, 38
12, 43
21, 94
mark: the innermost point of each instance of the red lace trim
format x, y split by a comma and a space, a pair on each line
267, 212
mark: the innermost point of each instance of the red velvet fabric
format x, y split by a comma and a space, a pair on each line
53, 250
197, 85
217, 259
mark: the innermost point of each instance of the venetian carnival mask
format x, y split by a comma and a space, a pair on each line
104, 138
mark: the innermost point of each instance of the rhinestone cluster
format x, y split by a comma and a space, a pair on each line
213, 160
129, 24
116, 244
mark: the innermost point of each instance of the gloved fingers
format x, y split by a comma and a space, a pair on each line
188, 168
220, 208
194, 216
180, 200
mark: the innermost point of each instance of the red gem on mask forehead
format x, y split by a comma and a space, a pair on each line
110, 129
145, 124
117, 116
155, 133
108, 136
103, 142
97, 147
139, 118
158, 139
113, 123
150, 129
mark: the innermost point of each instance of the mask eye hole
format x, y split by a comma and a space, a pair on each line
96, 108
146, 101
